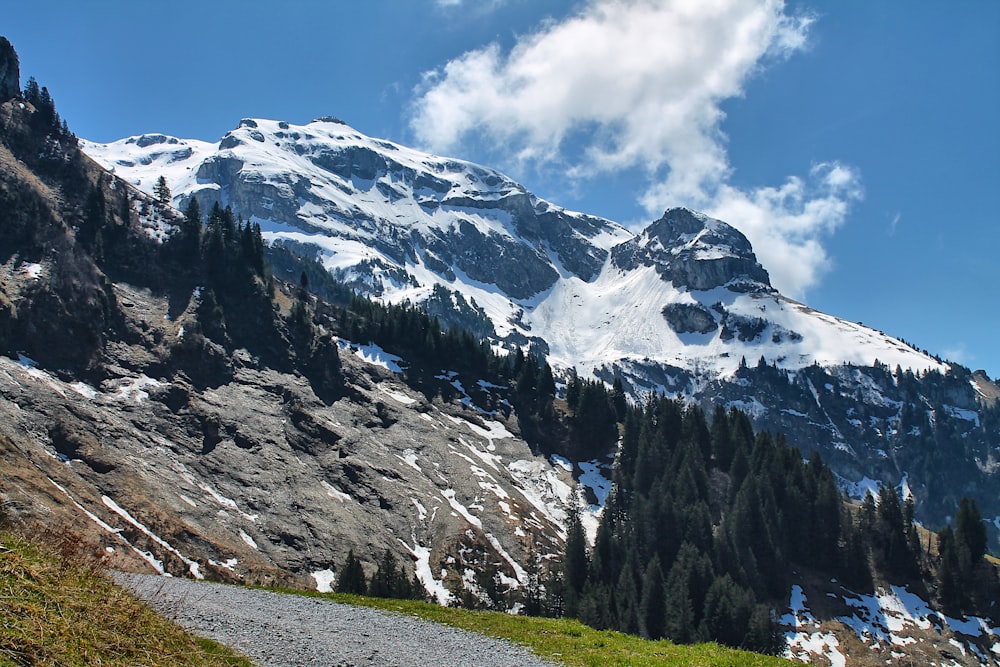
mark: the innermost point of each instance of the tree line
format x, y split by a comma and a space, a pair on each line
707, 520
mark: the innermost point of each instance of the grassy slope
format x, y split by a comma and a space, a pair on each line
57, 610
568, 641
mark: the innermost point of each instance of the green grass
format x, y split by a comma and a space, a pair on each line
56, 609
568, 641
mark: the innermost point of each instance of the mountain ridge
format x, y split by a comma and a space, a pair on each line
393, 223
680, 308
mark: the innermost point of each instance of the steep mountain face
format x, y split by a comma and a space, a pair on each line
683, 307
394, 211
125, 419
395, 223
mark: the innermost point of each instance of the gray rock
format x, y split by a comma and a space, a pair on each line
694, 251
689, 318
255, 479
10, 71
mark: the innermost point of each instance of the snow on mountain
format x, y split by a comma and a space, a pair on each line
685, 294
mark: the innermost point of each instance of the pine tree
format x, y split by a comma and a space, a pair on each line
575, 562
949, 574
32, 92
619, 401
162, 191
652, 607
892, 548
970, 531
352, 576
384, 581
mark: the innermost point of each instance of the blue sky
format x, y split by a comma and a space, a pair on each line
856, 143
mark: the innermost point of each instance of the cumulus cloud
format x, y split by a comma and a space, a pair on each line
625, 84
787, 224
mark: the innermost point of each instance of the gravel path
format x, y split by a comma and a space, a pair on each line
277, 630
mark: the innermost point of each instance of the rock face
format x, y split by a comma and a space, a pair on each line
689, 318
258, 480
417, 211
694, 251
121, 422
10, 71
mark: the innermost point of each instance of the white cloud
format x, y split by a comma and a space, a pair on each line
959, 354
639, 83
479, 4
894, 223
786, 224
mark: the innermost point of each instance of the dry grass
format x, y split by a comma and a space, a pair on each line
58, 608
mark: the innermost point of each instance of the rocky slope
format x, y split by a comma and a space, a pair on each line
121, 421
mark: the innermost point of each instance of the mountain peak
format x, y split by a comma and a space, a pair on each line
695, 251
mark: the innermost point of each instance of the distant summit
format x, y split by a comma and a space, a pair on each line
694, 251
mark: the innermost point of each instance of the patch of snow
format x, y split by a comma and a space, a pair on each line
541, 487
972, 626
562, 462
193, 566
249, 540
32, 270
324, 580
334, 492
422, 567
145, 555
962, 413
860, 488
227, 502
421, 510
409, 457
375, 355
593, 479
397, 396
800, 645
798, 614
30, 368
84, 390
133, 389
462, 510
229, 564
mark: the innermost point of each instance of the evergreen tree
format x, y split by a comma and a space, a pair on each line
352, 576
892, 547
32, 92
385, 581
970, 531
619, 401
162, 191
575, 562
652, 607
533, 597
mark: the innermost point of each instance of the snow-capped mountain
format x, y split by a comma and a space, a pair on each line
682, 307
687, 293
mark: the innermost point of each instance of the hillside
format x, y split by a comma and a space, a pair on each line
59, 609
